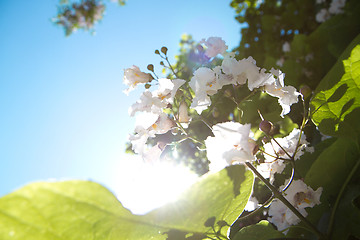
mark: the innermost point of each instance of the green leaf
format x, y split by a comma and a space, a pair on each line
76, 210
260, 231
332, 166
338, 94
222, 195
347, 219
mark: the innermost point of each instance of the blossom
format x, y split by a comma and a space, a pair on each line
252, 204
289, 143
231, 144
147, 126
167, 89
203, 83
268, 169
281, 216
153, 154
300, 196
287, 95
159, 99
280, 62
215, 46
322, 15
260, 79
183, 115
133, 76
147, 103
336, 6
242, 70
286, 47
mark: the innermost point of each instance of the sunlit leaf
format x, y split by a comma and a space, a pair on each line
338, 94
222, 195
76, 210
260, 231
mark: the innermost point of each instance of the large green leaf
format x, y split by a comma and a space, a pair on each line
75, 210
338, 94
222, 196
260, 231
332, 166
347, 219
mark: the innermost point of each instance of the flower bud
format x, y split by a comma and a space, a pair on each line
157, 52
266, 126
164, 50
150, 67
305, 91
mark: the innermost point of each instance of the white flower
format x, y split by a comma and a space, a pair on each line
159, 99
139, 139
215, 46
281, 216
222, 78
287, 143
252, 204
147, 103
183, 115
133, 76
274, 165
167, 89
300, 196
322, 15
287, 95
204, 83
336, 6
268, 169
147, 125
231, 144
260, 79
280, 62
153, 154
286, 47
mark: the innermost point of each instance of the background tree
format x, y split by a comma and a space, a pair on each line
80, 15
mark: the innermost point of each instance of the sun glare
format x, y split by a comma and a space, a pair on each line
143, 187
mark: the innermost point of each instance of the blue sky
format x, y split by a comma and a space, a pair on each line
63, 113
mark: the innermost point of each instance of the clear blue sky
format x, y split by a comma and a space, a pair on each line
62, 111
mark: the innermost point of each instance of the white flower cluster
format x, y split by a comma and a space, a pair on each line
152, 120
300, 196
206, 82
336, 7
293, 144
232, 142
